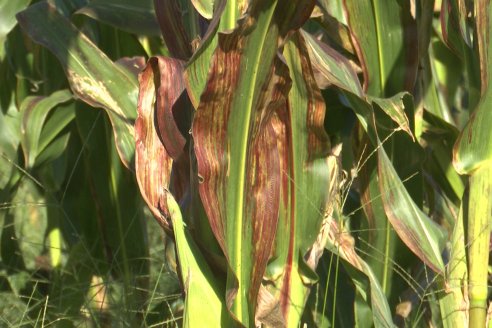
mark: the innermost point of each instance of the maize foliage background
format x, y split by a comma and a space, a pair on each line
308, 163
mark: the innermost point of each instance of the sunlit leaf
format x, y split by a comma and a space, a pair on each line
8, 9
205, 7
412, 225
196, 73
306, 177
393, 107
99, 83
204, 302
331, 67
424, 237
381, 31
454, 295
473, 148
237, 155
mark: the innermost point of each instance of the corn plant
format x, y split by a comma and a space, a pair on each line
228, 125
318, 163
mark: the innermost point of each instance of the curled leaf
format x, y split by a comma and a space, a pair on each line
153, 161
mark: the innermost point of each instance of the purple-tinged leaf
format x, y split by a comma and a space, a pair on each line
153, 162
331, 67
394, 108
235, 147
134, 65
170, 19
170, 90
423, 236
305, 195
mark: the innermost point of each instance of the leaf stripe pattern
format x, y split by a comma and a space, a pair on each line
161, 85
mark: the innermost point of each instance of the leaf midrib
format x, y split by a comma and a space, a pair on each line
239, 209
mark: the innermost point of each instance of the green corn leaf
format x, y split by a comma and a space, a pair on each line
204, 7
473, 148
457, 33
440, 68
420, 234
34, 112
378, 72
8, 9
455, 30
326, 62
93, 77
196, 73
440, 137
390, 67
343, 244
413, 227
232, 11
54, 150
242, 136
235, 147
452, 295
10, 137
306, 187
203, 301
393, 108
382, 30
380, 241
137, 17
58, 120
332, 68
472, 155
